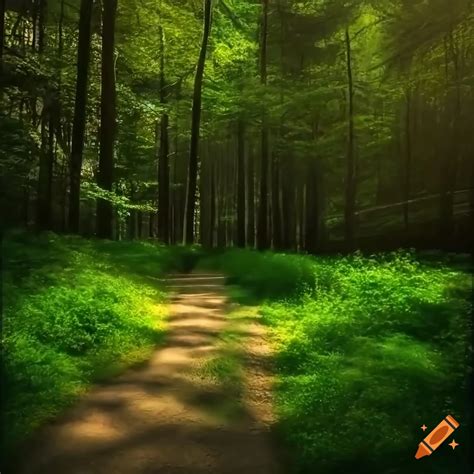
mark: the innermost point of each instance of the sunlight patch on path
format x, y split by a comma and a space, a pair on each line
161, 418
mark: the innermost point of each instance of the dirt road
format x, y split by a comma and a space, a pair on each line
163, 418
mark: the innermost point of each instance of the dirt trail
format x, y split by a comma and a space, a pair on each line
161, 418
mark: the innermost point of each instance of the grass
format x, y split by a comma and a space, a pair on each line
224, 371
368, 349
75, 311
263, 275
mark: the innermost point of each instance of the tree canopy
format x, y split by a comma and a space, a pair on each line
322, 124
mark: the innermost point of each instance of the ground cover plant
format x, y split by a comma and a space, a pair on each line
75, 311
368, 349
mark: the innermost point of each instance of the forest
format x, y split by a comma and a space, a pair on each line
311, 160
313, 126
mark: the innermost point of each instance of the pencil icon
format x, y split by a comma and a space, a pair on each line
437, 437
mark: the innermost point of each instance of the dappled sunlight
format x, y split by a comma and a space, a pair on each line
165, 416
94, 427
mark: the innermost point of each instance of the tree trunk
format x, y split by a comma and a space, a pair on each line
64, 188
471, 208
45, 177
350, 191
277, 230
34, 20
139, 224
2, 32
79, 124
407, 167
250, 202
299, 235
177, 189
61, 34
26, 206
195, 129
212, 239
220, 204
132, 220
107, 120
312, 236
241, 183
450, 161
151, 225
173, 191
132, 217
163, 158
262, 225
288, 209
43, 6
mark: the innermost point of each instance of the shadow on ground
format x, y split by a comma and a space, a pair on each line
159, 418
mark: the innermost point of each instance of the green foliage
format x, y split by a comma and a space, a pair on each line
73, 313
264, 275
120, 203
412, 86
380, 349
16, 148
223, 369
373, 349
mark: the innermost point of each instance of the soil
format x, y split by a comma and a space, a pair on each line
162, 419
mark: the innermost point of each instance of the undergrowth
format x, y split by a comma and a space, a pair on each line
368, 349
75, 311
263, 275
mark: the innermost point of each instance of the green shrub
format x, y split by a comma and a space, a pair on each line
75, 311
183, 259
367, 350
265, 275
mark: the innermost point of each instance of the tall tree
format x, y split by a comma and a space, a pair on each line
43, 8
408, 159
262, 223
195, 129
2, 31
312, 229
250, 202
79, 124
450, 160
350, 191
277, 233
45, 173
396, 149
241, 183
105, 175
47, 152
163, 158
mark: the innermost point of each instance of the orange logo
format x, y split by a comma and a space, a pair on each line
437, 437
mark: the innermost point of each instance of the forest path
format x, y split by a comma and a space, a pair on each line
169, 416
